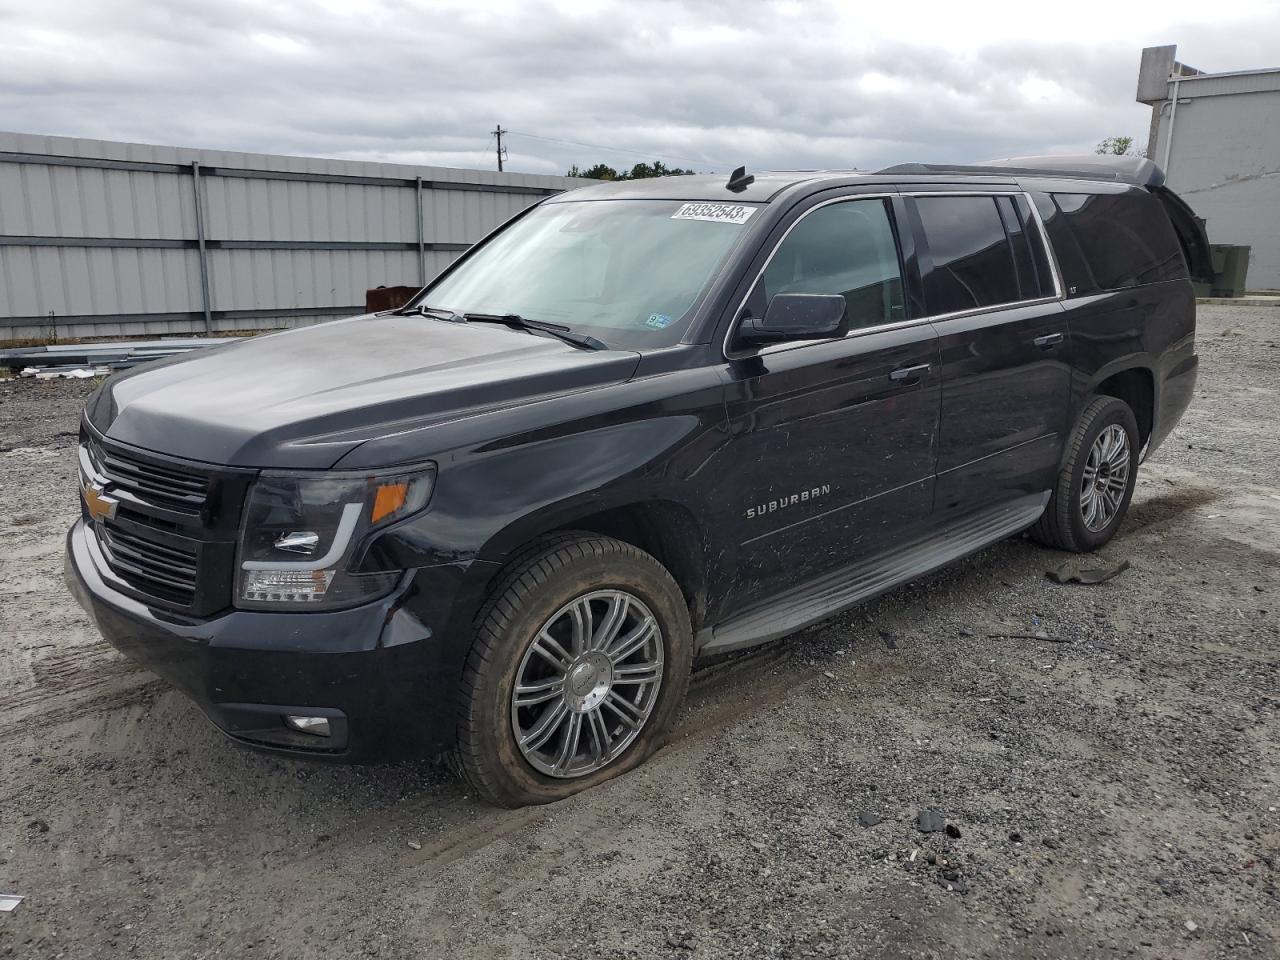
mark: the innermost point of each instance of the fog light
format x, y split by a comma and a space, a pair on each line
318, 726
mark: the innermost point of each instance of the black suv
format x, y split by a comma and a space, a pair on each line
640, 424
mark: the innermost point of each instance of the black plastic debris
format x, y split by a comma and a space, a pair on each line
931, 821
869, 819
953, 881
1069, 572
952, 831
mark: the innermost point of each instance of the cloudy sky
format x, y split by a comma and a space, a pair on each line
706, 84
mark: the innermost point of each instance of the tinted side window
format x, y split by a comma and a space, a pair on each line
1126, 237
1029, 281
972, 260
1035, 239
1076, 278
845, 248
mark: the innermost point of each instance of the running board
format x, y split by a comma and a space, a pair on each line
858, 582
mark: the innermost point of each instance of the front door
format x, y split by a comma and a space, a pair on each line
1005, 350
834, 441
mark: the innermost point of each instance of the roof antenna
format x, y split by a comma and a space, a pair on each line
739, 180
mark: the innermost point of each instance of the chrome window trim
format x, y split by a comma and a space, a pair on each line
1058, 286
901, 324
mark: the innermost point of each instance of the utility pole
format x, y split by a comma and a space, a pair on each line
502, 153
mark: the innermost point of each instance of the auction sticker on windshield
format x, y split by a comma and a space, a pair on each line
715, 212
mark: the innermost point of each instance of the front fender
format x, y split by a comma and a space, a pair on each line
492, 496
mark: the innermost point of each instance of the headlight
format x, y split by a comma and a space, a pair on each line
301, 532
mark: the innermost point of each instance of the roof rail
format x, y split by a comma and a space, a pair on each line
1138, 171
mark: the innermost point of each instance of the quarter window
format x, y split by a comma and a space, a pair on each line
847, 249
973, 263
1126, 237
1071, 263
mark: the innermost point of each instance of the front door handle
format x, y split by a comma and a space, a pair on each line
1048, 341
910, 373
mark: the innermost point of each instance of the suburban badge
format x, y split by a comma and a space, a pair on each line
782, 503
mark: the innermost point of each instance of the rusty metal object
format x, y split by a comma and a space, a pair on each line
387, 298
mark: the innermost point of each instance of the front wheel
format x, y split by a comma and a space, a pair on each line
1095, 485
580, 661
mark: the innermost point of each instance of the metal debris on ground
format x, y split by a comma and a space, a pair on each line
9, 902
1069, 572
1038, 635
70, 373
97, 358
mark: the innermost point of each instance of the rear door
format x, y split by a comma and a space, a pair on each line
833, 441
993, 298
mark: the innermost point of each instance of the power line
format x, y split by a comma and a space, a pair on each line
645, 154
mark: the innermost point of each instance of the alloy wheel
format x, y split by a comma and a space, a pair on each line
587, 683
1106, 477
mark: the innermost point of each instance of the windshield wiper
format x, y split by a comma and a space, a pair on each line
524, 323
439, 313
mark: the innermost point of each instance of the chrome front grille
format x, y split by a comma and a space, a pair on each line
167, 485
168, 533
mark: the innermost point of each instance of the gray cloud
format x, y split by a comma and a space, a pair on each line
707, 84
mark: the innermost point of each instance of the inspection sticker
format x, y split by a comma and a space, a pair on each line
659, 321
715, 212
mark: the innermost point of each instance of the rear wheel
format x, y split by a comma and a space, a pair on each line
1096, 482
580, 661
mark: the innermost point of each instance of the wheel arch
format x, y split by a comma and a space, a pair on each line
1136, 386
667, 530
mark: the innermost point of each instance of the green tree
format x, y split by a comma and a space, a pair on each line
600, 171
1120, 146
641, 171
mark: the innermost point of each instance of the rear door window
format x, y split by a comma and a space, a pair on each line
1032, 282
972, 260
845, 248
1126, 237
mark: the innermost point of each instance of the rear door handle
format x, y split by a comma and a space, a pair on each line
910, 373
1048, 341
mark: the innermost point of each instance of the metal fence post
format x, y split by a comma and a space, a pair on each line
204, 260
422, 239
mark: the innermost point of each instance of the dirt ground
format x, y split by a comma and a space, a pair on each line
1114, 786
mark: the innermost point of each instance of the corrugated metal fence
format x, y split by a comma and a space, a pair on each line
100, 238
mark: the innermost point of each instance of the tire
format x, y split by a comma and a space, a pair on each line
1065, 523
558, 592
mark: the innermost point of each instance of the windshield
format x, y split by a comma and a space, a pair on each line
624, 271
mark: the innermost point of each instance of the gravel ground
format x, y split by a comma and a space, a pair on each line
1112, 790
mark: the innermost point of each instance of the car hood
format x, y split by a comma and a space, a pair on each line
306, 397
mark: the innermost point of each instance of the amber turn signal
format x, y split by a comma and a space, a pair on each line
389, 500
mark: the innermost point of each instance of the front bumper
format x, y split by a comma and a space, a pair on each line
385, 673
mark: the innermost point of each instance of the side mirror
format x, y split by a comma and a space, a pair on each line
796, 316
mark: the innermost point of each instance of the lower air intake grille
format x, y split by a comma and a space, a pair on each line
160, 570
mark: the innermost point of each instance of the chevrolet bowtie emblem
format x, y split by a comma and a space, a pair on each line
100, 506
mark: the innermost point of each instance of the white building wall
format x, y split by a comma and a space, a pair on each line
1224, 159
100, 238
